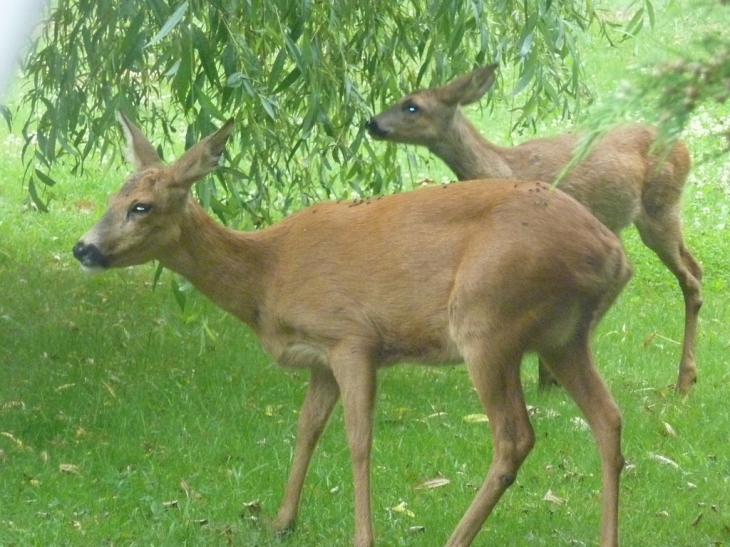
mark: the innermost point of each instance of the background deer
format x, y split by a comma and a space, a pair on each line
621, 181
472, 272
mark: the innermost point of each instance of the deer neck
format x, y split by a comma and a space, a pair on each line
216, 259
468, 154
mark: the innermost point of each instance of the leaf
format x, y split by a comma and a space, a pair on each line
69, 469
637, 21
173, 69
270, 410
552, 498
289, 80
650, 12
207, 58
170, 24
253, 507
178, 294
476, 418
401, 508
189, 491
208, 104
579, 424
430, 484
34, 196
528, 73
158, 273
268, 106
45, 179
669, 430
10, 436
664, 460
527, 45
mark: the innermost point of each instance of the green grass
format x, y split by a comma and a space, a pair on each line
124, 422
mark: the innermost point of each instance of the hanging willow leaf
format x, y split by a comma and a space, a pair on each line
37, 201
300, 78
45, 179
170, 24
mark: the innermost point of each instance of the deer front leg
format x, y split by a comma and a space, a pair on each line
322, 395
355, 375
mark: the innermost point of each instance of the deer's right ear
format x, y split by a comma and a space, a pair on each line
140, 151
469, 88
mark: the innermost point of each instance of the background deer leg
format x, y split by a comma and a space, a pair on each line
545, 378
322, 395
496, 378
355, 375
663, 235
575, 369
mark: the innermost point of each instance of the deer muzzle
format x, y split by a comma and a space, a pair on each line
375, 130
90, 256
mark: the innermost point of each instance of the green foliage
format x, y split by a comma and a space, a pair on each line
669, 88
300, 77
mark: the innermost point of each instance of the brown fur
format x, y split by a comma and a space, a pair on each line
621, 181
476, 272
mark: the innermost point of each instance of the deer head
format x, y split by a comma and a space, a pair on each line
425, 116
140, 220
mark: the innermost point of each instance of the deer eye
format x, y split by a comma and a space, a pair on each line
411, 108
139, 209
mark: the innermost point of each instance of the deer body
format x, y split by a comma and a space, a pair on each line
621, 181
614, 181
472, 272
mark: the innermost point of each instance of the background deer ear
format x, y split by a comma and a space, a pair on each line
140, 151
201, 158
469, 88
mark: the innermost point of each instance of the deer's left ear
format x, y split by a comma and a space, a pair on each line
140, 151
201, 158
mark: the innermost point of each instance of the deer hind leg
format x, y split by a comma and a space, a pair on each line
322, 395
574, 368
546, 377
496, 377
663, 235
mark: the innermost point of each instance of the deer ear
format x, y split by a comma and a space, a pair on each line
140, 151
202, 158
469, 88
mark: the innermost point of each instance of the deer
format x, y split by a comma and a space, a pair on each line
622, 180
469, 272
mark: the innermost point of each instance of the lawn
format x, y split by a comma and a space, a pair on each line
125, 421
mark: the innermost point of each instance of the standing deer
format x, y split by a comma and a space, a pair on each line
472, 272
621, 181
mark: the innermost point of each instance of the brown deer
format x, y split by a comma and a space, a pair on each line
621, 181
472, 272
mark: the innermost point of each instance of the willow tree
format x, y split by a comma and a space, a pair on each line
299, 77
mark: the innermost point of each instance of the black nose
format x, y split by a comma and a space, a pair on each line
375, 130
89, 255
